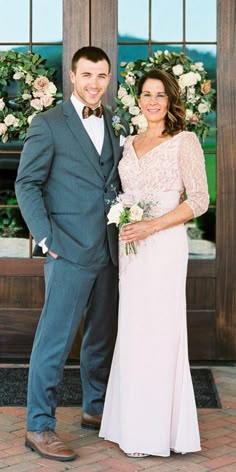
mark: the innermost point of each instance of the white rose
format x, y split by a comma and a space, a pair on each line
26, 96
18, 75
197, 66
129, 79
3, 129
128, 101
136, 213
189, 79
114, 214
189, 114
29, 79
11, 120
203, 107
46, 100
139, 121
178, 69
134, 110
50, 89
122, 92
2, 104
36, 104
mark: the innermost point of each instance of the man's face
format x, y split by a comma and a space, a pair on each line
90, 81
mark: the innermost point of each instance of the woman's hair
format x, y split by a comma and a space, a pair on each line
175, 118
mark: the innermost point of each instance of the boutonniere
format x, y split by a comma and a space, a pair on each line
117, 125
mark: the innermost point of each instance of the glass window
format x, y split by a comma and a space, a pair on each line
133, 20
200, 20
47, 21
14, 21
166, 26
204, 53
128, 53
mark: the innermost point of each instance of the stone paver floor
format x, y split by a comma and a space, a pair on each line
218, 439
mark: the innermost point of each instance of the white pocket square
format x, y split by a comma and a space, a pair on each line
122, 140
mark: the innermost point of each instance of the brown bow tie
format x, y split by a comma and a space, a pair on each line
89, 111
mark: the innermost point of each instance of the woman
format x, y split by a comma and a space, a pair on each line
150, 407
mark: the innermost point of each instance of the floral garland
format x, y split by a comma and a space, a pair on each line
196, 91
35, 92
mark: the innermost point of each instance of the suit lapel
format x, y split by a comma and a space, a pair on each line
115, 140
80, 134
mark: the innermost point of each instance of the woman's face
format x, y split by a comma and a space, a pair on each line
153, 100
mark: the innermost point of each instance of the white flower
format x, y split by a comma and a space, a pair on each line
114, 213
3, 129
134, 110
136, 213
189, 79
129, 79
26, 96
128, 101
139, 121
189, 114
2, 104
50, 89
178, 69
18, 75
203, 107
197, 66
46, 100
11, 120
29, 79
36, 104
122, 92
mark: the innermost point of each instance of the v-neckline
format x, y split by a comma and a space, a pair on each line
154, 147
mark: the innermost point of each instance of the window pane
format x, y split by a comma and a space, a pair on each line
209, 143
128, 53
47, 21
133, 17
14, 21
166, 26
201, 20
53, 55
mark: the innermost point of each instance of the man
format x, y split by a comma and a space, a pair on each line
67, 175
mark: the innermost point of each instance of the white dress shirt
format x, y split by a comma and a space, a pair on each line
95, 129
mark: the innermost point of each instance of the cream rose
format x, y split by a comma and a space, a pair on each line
26, 96
178, 69
11, 120
129, 79
136, 213
50, 89
139, 121
29, 79
41, 83
46, 100
3, 129
122, 92
128, 101
36, 104
189, 79
203, 107
18, 75
114, 214
134, 110
2, 104
189, 114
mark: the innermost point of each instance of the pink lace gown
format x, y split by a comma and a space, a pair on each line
150, 405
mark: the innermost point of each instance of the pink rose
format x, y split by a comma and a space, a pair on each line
41, 83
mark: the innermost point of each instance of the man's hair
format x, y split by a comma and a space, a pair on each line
91, 53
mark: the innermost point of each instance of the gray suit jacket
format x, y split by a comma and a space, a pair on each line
61, 190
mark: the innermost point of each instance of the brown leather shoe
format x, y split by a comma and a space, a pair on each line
49, 445
90, 421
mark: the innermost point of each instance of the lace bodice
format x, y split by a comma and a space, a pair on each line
175, 165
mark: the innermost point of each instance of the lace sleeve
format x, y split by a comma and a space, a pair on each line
192, 166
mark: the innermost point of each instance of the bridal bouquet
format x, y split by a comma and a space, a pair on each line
125, 210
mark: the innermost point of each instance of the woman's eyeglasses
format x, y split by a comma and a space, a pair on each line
159, 97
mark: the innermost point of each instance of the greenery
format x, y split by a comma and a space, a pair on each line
197, 92
26, 88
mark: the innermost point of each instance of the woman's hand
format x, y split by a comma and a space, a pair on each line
136, 231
